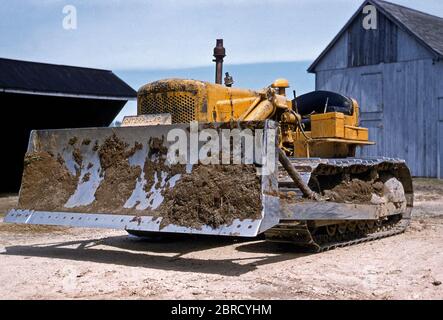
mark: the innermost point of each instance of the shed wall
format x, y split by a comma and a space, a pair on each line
399, 104
373, 46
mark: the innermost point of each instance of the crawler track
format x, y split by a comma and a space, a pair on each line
342, 233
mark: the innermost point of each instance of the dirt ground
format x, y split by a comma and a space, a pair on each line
59, 263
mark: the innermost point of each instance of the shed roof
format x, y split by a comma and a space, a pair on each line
425, 28
27, 77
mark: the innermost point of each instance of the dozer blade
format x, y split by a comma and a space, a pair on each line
120, 178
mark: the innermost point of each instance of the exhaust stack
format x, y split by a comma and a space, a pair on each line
219, 54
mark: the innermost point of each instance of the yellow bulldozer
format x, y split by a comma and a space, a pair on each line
301, 185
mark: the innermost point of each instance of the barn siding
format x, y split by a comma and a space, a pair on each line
337, 56
370, 47
410, 49
406, 125
394, 66
436, 127
360, 47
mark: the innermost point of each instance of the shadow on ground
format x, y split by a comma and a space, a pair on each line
166, 254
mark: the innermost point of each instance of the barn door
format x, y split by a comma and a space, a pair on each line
440, 139
371, 112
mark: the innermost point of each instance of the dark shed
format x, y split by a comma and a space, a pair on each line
395, 71
46, 96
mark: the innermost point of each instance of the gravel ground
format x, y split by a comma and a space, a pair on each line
58, 263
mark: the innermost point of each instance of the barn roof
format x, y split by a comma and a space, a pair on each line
27, 77
425, 28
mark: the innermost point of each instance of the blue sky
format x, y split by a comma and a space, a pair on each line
143, 34
144, 40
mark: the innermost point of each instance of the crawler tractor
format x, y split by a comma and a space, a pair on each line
319, 195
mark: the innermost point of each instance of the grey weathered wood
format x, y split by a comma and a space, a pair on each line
372, 46
410, 49
398, 84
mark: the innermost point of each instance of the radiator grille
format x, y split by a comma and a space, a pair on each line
181, 106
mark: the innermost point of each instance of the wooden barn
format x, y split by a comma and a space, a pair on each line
47, 96
395, 71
